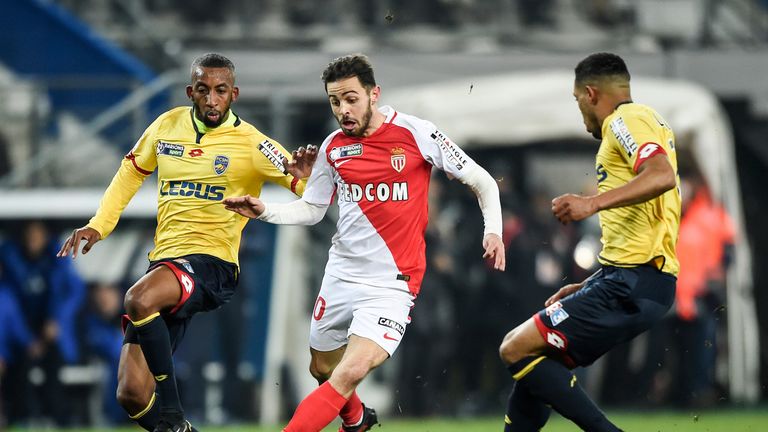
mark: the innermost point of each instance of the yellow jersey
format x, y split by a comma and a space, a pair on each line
643, 233
197, 168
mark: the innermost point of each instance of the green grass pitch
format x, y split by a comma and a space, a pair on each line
653, 421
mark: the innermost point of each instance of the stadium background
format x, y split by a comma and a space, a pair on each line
82, 79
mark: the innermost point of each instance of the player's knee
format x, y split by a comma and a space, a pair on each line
508, 350
137, 303
133, 399
321, 372
352, 374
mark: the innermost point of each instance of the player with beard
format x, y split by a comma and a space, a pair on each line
202, 154
378, 164
639, 208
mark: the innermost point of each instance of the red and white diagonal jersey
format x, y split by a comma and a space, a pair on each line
381, 183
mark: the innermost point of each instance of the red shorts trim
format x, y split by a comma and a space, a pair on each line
556, 340
186, 283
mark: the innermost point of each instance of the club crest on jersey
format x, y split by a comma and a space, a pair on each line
273, 154
220, 164
398, 158
346, 151
169, 149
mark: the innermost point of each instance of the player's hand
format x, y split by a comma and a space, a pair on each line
563, 292
494, 248
302, 160
247, 206
571, 208
72, 244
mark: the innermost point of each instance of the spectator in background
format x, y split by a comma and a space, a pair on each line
103, 339
706, 239
15, 337
50, 294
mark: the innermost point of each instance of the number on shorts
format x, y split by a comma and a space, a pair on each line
319, 309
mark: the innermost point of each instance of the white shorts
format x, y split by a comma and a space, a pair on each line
346, 308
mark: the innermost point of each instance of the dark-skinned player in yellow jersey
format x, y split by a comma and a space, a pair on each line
202, 154
639, 208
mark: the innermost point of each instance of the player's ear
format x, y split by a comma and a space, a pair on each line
375, 94
235, 93
189, 92
592, 93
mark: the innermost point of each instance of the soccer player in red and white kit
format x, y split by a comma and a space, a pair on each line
378, 166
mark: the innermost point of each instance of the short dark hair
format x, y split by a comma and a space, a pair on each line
212, 60
601, 65
349, 66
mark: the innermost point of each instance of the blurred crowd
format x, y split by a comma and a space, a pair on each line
51, 319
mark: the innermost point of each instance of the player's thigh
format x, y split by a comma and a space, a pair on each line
157, 290
523, 341
381, 315
134, 380
361, 356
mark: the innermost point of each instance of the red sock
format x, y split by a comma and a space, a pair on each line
317, 410
352, 412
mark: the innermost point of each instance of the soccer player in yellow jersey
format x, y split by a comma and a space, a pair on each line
639, 208
202, 154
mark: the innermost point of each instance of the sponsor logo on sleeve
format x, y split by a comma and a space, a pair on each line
451, 151
398, 159
623, 136
169, 149
273, 154
220, 164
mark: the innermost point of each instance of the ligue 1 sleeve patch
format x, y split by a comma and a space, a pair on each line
623, 136
647, 151
273, 155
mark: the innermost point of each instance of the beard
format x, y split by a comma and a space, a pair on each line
359, 131
596, 128
207, 121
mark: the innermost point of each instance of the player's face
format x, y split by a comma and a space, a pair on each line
352, 105
587, 108
212, 91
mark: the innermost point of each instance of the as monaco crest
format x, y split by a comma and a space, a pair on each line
398, 158
220, 164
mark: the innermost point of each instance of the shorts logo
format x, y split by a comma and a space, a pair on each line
398, 159
557, 340
346, 151
386, 322
184, 263
220, 164
169, 149
273, 154
388, 337
556, 313
187, 282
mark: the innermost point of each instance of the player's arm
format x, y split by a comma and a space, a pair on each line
487, 192
655, 177
137, 165
298, 212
